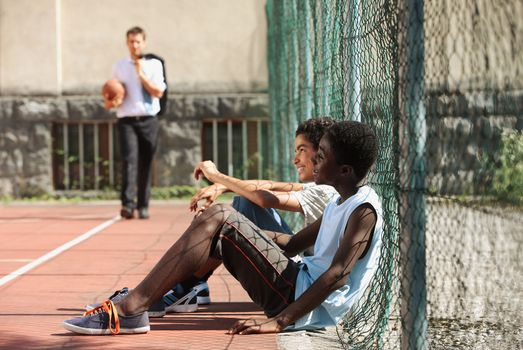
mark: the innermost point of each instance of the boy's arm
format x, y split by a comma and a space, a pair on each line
267, 194
356, 237
294, 244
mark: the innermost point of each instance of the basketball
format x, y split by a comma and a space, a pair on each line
113, 89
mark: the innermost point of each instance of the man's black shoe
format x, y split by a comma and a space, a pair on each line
127, 213
143, 213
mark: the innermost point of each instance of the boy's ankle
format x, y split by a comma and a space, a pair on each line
120, 310
124, 309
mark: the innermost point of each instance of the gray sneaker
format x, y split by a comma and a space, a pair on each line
156, 310
105, 320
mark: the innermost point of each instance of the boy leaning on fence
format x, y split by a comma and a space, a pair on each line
314, 293
260, 201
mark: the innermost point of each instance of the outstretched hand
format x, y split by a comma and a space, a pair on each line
256, 326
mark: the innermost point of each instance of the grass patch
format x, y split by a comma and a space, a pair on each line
157, 193
507, 180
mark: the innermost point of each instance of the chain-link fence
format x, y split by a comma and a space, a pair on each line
441, 82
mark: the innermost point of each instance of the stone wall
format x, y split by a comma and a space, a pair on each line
464, 130
67, 47
464, 134
26, 145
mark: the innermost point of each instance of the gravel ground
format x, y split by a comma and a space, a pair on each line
474, 276
474, 282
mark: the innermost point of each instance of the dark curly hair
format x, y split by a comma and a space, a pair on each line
313, 129
353, 143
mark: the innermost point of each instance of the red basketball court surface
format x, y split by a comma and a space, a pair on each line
54, 259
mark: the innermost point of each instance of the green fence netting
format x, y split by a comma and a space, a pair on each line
441, 82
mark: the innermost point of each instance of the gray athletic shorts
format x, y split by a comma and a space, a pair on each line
264, 271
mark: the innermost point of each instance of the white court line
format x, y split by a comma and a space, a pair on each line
57, 251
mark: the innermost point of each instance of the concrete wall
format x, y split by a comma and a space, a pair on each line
28, 47
473, 44
69, 46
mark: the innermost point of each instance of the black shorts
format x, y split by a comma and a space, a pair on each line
262, 268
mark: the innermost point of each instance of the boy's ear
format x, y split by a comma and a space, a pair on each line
346, 169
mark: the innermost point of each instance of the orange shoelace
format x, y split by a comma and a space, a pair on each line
108, 307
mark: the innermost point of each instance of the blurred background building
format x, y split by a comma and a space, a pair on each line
56, 54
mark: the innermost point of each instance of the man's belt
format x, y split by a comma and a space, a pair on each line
138, 118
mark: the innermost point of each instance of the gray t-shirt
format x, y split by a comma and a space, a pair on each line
313, 200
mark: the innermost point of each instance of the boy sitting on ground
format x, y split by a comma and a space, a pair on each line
312, 294
260, 201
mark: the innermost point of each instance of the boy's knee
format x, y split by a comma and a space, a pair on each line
221, 207
218, 212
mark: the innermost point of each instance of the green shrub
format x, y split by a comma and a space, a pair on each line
507, 182
173, 192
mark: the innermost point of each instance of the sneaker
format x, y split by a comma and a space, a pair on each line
105, 320
127, 213
143, 213
203, 293
157, 309
176, 300
115, 298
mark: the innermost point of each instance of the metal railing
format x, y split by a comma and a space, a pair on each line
85, 158
251, 161
73, 144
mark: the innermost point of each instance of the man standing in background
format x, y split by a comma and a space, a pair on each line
137, 125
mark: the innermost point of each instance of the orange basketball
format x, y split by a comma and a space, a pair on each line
113, 89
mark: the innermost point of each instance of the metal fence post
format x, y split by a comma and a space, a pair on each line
353, 110
412, 171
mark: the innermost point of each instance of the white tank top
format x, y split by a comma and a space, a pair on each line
331, 232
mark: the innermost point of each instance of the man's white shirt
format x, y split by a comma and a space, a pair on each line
137, 101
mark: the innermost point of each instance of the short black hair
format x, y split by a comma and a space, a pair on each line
135, 30
313, 129
353, 143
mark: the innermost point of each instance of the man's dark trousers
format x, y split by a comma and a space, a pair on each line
138, 140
